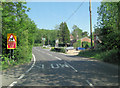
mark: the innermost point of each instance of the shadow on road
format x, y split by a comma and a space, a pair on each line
97, 73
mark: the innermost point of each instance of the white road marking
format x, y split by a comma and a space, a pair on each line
21, 76
58, 58
71, 67
64, 65
32, 64
90, 83
65, 62
44, 52
57, 66
63, 53
42, 66
92, 60
12, 84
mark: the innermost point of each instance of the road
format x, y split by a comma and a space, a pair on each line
57, 69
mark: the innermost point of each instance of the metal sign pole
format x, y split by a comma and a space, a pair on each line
13, 55
10, 53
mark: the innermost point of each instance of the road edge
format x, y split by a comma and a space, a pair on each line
22, 75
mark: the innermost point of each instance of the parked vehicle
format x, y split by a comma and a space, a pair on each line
79, 48
69, 48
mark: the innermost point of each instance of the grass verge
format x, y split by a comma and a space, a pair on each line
110, 56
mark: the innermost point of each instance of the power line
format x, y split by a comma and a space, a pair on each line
74, 11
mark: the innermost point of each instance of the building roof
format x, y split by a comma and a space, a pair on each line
86, 39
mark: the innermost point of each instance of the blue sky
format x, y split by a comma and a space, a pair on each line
47, 15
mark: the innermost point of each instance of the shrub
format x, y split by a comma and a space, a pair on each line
58, 50
52, 49
62, 50
77, 44
110, 56
37, 44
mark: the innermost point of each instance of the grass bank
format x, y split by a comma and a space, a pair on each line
110, 56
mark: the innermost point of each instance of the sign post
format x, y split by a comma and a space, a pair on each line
11, 42
57, 41
43, 39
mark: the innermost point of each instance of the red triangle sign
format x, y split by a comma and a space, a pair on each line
11, 38
11, 42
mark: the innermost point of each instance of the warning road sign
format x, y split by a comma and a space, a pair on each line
11, 41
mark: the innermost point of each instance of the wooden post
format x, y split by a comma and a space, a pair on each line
90, 22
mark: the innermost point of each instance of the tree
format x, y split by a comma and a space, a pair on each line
108, 23
85, 34
77, 33
57, 31
50, 36
64, 34
15, 20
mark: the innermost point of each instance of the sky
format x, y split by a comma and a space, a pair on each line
47, 15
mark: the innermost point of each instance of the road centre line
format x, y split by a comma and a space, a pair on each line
51, 55
58, 58
21, 76
66, 63
90, 83
13, 83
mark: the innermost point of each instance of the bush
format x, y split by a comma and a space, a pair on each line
37, 44
58, 50
110, 56
44, 47
6, 62
24, 28
61, 45
62, 50
77, 44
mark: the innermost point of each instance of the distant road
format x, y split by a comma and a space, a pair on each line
57, 69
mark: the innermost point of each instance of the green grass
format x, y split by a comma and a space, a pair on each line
110, 56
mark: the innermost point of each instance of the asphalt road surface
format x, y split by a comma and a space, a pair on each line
56, 69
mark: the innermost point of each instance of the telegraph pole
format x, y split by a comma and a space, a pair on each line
90, 22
